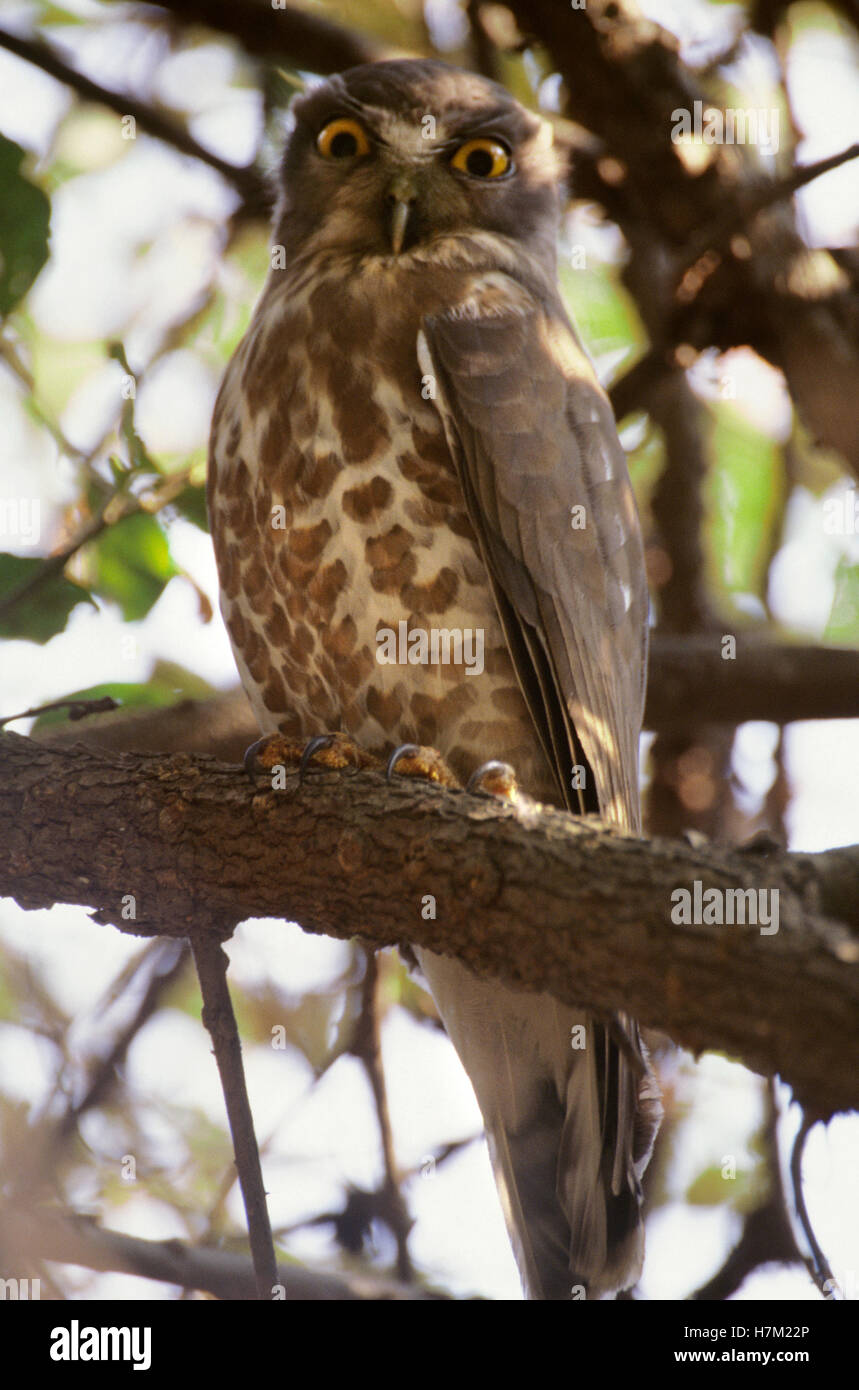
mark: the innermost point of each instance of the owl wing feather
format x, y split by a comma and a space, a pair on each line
548, 494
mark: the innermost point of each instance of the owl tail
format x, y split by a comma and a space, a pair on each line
571, 1109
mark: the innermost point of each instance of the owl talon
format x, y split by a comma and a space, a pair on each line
269, 753
421, 762
332, 752
250, 758
493, 779
335, 752
318, 742
404, 750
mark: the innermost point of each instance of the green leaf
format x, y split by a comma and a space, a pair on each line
843, 624
126, 693
709, 1189
10, 999
745, 495
167, 684
25, 214
139, 458
180, 683
57, 14
44, 611
191, 504
601, 309
131, 563
744, 1189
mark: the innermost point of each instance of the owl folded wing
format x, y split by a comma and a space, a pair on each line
548, 494
549, 497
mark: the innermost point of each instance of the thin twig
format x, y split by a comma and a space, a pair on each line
20, 372
220, 1022
767, 1236
118, 507
246, 180
482, 46
64, 1238
367, 1047
309, 40
52, 1135
78, 709
52, 566
442, 1154
736, 218
816, 1263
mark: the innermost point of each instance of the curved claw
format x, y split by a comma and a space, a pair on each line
250, 755
317, 742
405, 750
502, 772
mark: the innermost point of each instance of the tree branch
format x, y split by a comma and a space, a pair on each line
220, 1022
525, 894
310, 41
67, 1239
677, 507
766, 1237
716, 238
769, 680
688, 675
247, 181
770, 292
367, 1047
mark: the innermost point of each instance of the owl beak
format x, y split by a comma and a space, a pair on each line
401, 198
399, 221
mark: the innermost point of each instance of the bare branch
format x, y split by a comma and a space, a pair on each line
220, 1022
767, 1236
367, 1047
769, 292
691, 677
75, 709
67, 1239
525, 894
716, 237
309, 40
678, 507
817, 1264
688, 677
247, 181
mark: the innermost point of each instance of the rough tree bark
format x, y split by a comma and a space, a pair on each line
179, 845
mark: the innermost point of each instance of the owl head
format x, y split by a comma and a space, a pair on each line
386, 157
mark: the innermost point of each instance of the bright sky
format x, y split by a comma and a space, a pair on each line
134, 241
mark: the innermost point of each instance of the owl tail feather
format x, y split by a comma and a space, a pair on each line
571, 1109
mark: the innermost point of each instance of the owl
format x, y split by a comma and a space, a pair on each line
410, 442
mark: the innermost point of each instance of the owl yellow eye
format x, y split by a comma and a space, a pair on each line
342, 139
483, 159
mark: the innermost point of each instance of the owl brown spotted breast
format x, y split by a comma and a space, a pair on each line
410, 433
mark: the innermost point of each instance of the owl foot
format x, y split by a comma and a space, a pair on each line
414, 760
331, 752
264, 754
494, 779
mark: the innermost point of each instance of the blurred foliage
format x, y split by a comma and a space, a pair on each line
42, 610
166, 683
843, 625
746, 496
25, 215
104, 468
131, 564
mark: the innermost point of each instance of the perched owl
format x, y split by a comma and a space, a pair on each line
410, 439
